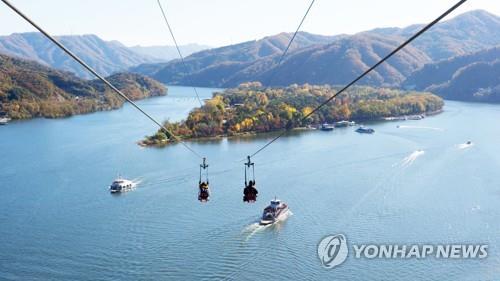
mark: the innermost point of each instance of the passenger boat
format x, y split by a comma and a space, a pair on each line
326, 127
121, 185
363, 130
276, 211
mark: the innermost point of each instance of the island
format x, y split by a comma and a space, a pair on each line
251, 108
29, 90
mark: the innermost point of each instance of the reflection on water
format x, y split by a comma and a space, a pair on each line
59, 222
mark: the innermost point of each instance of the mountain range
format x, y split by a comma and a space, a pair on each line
331, 59
219, 63
168, 53
107, 57
451, 53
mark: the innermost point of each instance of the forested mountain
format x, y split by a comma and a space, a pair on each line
466, 33
336, 63
476, 82
331, 60
220, 62
473, 77
106, 57
443, 71
29, 89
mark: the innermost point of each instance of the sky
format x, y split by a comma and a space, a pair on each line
221, 22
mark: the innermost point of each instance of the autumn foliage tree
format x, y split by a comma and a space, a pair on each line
253, 108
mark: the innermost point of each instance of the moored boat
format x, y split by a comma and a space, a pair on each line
415, 117
326, 127
4, 120
364, 130
344, 123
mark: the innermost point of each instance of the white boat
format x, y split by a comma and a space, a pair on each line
274, 212
4, 120
415, 117
121, 185
344, 123
326, 127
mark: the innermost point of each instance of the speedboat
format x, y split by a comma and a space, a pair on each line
344, 123
468, 142
121, 185
274, 212
363, 130
326, 127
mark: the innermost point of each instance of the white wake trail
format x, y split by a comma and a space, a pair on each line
419, 127
464, 145
136, 181
408, 160
256, 227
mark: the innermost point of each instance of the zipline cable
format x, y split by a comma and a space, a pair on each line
179, 51
289, 44
408, 41
91, 70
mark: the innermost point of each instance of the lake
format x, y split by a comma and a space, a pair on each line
58, 220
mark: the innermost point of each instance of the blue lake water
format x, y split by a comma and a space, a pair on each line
59, 222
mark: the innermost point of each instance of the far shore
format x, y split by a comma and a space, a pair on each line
296, 129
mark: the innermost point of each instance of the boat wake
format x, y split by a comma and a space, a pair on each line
255, 227
464, 145
476, 208
419, 127
408, 160
136, 181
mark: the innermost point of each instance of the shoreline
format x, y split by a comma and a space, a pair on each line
314, 127
141, 143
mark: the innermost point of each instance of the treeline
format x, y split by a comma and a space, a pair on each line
28, 90
252, 108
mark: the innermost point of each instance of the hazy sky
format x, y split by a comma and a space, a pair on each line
221, 22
